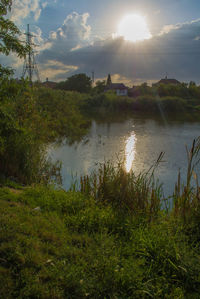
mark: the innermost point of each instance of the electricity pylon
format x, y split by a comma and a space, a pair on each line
30, 66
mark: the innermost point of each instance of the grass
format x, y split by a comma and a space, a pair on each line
111, 239
79, 249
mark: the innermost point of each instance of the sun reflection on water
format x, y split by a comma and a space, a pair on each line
130, 151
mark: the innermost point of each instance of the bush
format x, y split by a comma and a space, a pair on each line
29, 119
172, 104
22, 136
62, 113
145, 103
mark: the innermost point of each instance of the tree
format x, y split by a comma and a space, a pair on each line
192, 84
144, 89
9, 37
100, 86
80, 82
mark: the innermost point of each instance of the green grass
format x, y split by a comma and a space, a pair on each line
76, 247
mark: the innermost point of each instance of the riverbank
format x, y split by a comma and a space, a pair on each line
57, 244
110, 239
168, 106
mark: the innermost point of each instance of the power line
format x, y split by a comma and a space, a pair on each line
30, 66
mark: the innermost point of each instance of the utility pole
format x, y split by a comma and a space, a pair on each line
30, 66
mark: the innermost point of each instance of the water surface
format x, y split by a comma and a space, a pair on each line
138, 141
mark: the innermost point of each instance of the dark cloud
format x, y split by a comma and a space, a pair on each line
176, 51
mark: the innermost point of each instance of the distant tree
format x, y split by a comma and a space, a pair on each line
80, 82
9, 37
184, 84
100, 86
192, 84
194, 90
144, 89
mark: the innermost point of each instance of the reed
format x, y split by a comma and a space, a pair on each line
126, 192
186, 195
142, 194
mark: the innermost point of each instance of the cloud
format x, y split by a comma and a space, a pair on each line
55, 70
72, 36
157, 12
184, 28
166, 29
21, 9
38, 40
14, 62
175, 50
69, 50
44, 4
118, 78
73, 33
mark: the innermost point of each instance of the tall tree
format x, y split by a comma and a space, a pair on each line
100, 86
9, 36
80, 82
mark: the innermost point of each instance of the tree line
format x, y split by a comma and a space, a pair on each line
83, 84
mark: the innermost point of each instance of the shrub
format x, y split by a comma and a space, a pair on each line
22, 135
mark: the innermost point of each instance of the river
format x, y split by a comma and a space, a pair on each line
138, 141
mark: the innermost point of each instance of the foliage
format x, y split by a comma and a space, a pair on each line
57, 244
22, 134
163, 98
80, 82
29, 119
124, 191
107, 100
61, 110
99, 86
147, 103
144, 89
173, 104
9, 36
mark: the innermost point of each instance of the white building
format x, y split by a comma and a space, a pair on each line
119, 88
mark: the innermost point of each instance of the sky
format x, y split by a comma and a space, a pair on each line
79, 36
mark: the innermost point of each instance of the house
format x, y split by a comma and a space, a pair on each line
167, 81
49, 84
119, 88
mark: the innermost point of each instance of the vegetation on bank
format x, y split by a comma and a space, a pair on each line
161, 99
168, 98
111, 240
29, 119
144, 103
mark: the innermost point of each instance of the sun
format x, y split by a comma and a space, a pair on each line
133, 28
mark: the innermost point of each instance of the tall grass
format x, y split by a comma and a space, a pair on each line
136, 194
186, 196
142, 194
